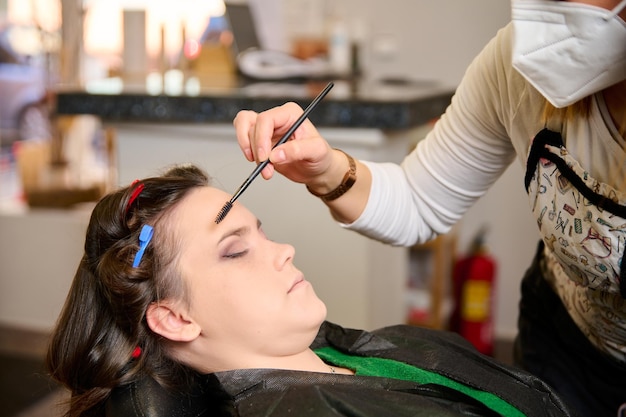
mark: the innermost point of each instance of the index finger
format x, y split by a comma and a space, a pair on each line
270, 126
244, 123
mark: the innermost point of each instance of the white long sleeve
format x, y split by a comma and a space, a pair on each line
469, 148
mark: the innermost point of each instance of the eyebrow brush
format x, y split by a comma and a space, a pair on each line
229, 204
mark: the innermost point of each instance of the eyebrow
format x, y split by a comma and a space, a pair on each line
239, 231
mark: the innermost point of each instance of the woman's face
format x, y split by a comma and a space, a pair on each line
244, 288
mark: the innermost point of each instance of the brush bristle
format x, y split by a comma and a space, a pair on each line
223, 212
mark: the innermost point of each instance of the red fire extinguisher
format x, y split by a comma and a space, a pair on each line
474, 279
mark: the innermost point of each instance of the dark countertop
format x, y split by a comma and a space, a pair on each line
392, 105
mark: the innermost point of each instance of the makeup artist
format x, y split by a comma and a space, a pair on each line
173, 315
549, 91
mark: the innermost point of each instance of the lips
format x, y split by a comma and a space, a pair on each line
296, 283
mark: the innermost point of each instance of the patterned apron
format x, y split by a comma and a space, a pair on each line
583, 224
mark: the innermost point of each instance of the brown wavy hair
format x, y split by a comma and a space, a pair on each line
103, 319
581, 108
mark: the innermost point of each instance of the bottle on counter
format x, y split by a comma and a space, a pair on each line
340, 48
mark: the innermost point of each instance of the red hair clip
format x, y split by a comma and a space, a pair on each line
134, 195
136, 352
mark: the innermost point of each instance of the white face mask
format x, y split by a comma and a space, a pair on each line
567, 50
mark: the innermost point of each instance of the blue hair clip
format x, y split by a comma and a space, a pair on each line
144, 238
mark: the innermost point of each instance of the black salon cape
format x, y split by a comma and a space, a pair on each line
281, 393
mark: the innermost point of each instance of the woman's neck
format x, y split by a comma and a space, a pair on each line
197, 356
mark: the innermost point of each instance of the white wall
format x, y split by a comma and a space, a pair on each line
415, 39
428, 39
39, 253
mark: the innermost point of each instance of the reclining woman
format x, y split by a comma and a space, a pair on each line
215, 319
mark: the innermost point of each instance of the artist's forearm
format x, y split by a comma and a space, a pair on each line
348, 206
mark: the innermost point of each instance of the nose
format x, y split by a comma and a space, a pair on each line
284, 255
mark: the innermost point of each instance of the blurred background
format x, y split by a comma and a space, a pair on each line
55, 164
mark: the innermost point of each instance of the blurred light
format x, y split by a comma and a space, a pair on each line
103, 23
113, 85
45, 13
192, 86
173, 82
103, 29
154, 83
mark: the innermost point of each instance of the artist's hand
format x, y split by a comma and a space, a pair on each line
303, 158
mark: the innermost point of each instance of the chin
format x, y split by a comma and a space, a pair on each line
322, 313
315, 314
316, 321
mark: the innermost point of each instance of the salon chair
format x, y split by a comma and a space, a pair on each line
146, 398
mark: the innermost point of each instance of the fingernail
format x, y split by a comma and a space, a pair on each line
279, 156
268, 171
248, 154
260, 153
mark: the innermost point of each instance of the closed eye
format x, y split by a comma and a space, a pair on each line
236, 254
236, 250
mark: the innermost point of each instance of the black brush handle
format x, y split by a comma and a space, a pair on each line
283, 139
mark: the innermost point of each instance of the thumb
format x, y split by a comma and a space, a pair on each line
278, 156
310, 150
301, 160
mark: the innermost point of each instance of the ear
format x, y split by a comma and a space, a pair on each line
168, 319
